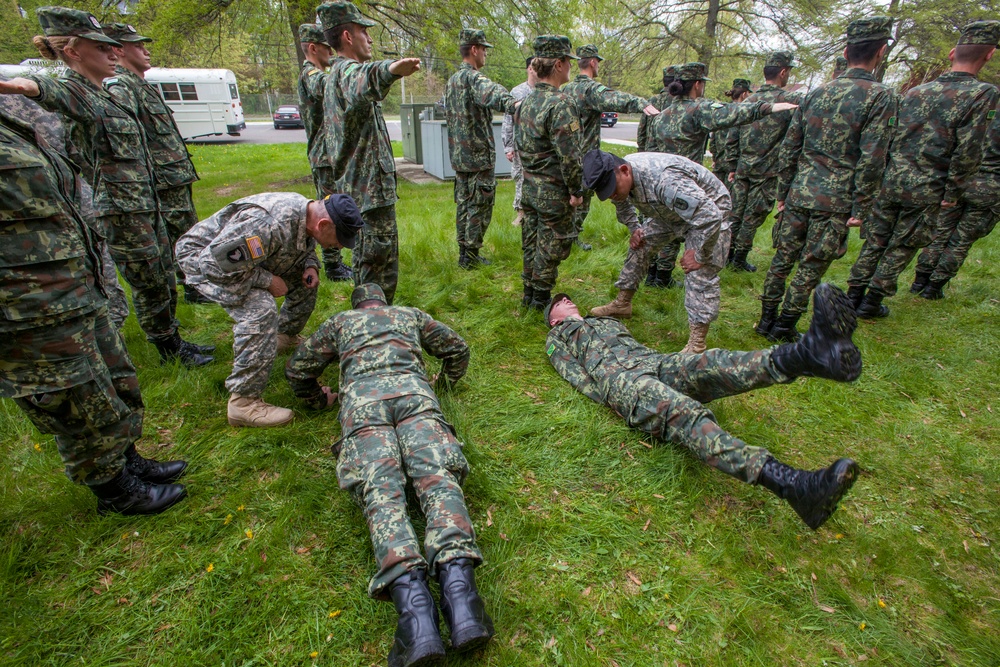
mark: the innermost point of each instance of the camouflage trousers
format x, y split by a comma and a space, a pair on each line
670, 404
75, 380
547, 235
958, 229
752, 203
324, 181
388, 443
813, 240
892, 239
141, 248
517, 175
474, 195
376, 253
257, 323
117, 301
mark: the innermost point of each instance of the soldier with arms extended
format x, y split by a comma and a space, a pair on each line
936, 151
663, 394
518, 92
357, 141
591, 99
61, 359
470, 99
547, 134
246, 256
392, 433
829, 170
312, 88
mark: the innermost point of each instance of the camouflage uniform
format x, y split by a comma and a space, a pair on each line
679, 199
830, 165
393, 431
755, 149
61, 359
518, 92
125, 200
723, 157
666, 260
683, 126
360, 154
937, 149
662, 394
470, 99
231, 258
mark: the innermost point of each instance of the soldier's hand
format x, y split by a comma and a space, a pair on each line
783, 106
310, 278
636, 240
575, 201
510, 155
19, 86
732, 176
853, 222
650, 110
277, 287
331, 396
949, 204
781, 206
405, 66
688, 262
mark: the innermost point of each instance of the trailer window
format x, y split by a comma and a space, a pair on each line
170, 92
188, 92
232, 92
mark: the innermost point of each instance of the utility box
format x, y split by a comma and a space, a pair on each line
437, 159
409, 122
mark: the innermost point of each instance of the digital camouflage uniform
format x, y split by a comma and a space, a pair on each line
393, 432
679, 199
125, 200
61, 359
231, 258
755, 148
663, 394
830, 166
936, 150
518, 92
470, 99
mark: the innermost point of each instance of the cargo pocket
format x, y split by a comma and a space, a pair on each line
832, 243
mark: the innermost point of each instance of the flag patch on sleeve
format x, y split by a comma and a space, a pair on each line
255, 247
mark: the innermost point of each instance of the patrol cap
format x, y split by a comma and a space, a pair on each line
669, 74
123, 32
869, 30
742, 83
981, 32
331, 14
692, 72
66, 22
346, 218
553, 46
553, 301
780, 59
599, 172
588, 51
311, 33
840, 65
473, 38
367, 292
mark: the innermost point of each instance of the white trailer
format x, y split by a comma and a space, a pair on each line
204, 101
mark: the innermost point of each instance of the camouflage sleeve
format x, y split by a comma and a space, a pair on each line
440, 341
602, 98
565, 133
732, 147
507, 132
642, 133
367, 83
315, 84
788, 158
874, 146
695, 207
625, 213
308, 362
970, 140
56, 96
491, 95
233, 257
716, 116
724, 160
122, 94
563, 349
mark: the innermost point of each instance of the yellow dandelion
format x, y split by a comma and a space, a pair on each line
211, 566
881, 603
241, 508
839, 536
334, 614
38, 447
314, 655
862, 626
248, 533
229, 517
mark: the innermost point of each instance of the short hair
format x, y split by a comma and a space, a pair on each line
864, 52
586, 62
679, 88
543, 66
527, 61
972, 53
333, 35
465, 50
771, 72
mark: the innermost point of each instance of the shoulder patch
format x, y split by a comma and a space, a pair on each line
574, 126
718, 105
350, 68
601, 88
314, 71
892, 121
256, 247
681, 204
551, 349
991, 115
111, 81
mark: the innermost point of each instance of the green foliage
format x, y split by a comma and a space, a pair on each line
603, 546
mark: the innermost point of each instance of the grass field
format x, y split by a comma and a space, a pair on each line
602, 547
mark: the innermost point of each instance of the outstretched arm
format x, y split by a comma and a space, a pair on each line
307, 364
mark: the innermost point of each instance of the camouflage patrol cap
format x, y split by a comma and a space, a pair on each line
869, 29
840, 65
311, 33
780, 59
669, 74
553, 46
588, 51
66, 22
367, 292
742, 83
123, 32
981, 32
331, 14
473, 38
692, 72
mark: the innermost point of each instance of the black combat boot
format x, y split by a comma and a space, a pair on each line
652, 277
529, 296
920, 281
856, 294
153, 472
541, 299
464, 612
871, 307
740, 263
934, 290
768, 314
464, 261
826, 350
338, 272
667, 279
173, 348
193, 296
813, 495
418, 640
475, 259
194, 347
127, 494
784, 330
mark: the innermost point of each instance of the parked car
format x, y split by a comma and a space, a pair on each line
287, 115
608, 118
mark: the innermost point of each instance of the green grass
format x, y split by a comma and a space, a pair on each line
600, 549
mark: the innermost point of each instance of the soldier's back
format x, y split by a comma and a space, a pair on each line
760, 141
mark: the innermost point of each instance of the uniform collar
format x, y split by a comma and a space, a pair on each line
766, 87
466, 65
582, 77
958, 76
857, 73
544, 86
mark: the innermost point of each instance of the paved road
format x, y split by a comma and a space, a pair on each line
264, 133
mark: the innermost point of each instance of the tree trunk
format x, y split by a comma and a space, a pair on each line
707, 50
893, 12
299, 12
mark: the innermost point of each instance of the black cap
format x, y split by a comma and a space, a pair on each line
346, 218
599, 172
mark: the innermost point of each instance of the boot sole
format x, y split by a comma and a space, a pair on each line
424, 654
104, 511
249, 424
469, 644
837, 313
846, 476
